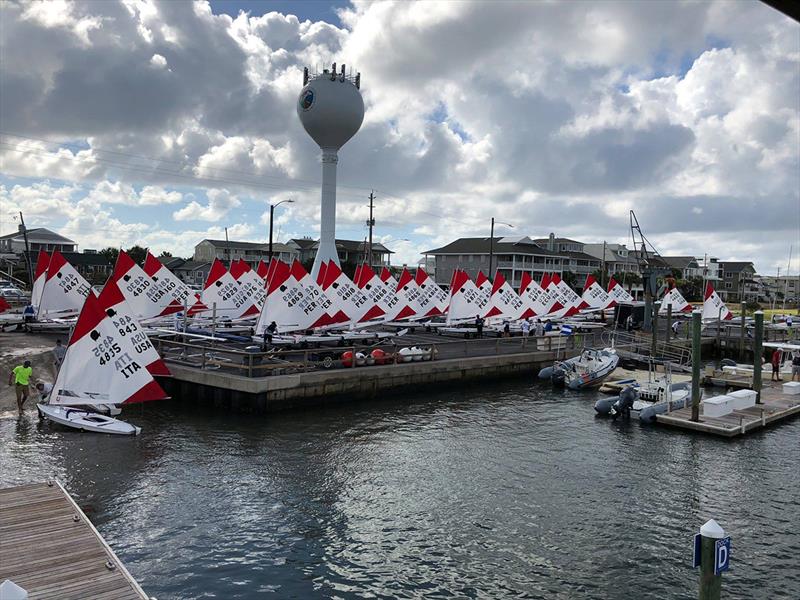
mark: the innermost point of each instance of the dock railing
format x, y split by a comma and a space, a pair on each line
213, 356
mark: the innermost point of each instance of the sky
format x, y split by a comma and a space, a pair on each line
163, 123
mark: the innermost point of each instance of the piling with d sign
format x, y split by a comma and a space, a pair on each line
712, 554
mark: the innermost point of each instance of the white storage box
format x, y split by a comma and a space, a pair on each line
791, 388
719, 406
743, 399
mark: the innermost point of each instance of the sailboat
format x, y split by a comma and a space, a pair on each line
102, 366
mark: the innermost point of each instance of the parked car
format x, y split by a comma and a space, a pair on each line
12, 292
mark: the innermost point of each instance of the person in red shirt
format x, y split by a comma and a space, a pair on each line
776, 365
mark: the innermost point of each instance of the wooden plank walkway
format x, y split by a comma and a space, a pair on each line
775, 407
51, 549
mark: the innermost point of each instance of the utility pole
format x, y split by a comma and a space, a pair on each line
491, 251
370, 224
27, 249
603, 276
227, 247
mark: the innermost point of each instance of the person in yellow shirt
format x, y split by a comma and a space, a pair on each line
20, 377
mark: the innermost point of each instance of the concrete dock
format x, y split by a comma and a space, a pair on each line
775, 407
51, 549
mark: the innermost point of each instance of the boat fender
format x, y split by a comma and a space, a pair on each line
546, 373
405, 354
347, 359
603, 406
360, 359
378, 356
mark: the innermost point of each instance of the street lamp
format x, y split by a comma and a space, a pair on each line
491, 246
271, 214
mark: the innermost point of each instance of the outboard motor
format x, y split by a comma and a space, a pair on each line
727, 362
624, 404
558, 376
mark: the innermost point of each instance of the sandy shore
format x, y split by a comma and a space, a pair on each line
15, 348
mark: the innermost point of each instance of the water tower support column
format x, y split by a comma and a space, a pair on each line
327, 232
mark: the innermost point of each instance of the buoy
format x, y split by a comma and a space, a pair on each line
360, 359
378, 356
416, 353
347, 359
426, 353
406, 354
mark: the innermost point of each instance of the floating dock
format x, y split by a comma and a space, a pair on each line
50, 548
774, 407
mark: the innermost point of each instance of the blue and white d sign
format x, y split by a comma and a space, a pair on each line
722, 555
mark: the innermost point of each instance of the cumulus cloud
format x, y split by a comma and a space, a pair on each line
220, 202
552, 116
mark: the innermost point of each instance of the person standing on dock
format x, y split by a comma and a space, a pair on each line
796, 366
479, 325
58, 355
776, 365
526, 327
20, 378
268, 333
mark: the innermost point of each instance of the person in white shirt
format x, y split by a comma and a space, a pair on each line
526, 328
44, 389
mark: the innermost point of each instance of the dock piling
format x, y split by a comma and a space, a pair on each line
654, 330
713, 558
697, 325
757, 354
669, 322
742, 328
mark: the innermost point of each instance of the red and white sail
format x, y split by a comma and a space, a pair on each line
536, 302
381, 295
388, 279
408, 291
250, 283
99, 367
222, 290
484, 287
332, 316
146, 299
466, 301
432, 297
289, 304
132, 339
675, 299
569, 294
559, 296
64, 290
347, 297
504, 301
167, 281
39, 278
262, 269
595, 296
4, 305
617, 293
713, 306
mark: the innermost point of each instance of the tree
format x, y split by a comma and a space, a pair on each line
110, 254
569, 278
137, 253
691, 288
165, 254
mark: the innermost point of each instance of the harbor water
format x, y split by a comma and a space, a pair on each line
497, 491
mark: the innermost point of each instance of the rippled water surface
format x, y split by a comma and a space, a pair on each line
497, 491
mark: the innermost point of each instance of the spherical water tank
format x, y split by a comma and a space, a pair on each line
331, 111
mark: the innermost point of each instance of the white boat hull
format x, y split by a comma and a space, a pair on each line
85, 420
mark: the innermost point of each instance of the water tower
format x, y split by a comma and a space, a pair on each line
331, 109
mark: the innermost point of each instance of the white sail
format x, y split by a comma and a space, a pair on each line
133, 338
675, 299
64, 290
466, 301
617, 293
167, 281
146, 299
387, 305
408, 291
562, 304
251, 283
330, 314
346, 296
98, 367
39, 278
569, 294
290, 305
504, 301
594, 295
713, 306
536, 302
435, 298
222, 290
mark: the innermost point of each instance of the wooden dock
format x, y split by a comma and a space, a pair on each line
51, 549
775, 407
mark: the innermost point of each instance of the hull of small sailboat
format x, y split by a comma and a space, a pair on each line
85, 420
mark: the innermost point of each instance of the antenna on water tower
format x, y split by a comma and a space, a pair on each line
331, 110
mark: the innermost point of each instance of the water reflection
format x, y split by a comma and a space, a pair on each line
495, 491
